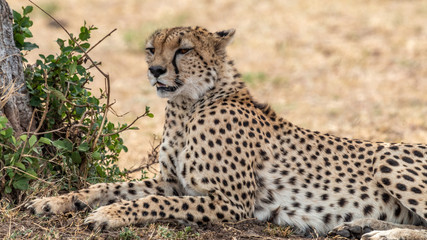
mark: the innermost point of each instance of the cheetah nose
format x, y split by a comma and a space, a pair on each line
157, 71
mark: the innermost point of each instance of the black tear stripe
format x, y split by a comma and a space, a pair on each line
174, 63
178, 82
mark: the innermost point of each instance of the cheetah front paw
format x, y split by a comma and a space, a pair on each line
107, 217
352, 230
54, 205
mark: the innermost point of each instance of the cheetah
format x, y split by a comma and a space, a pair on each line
225, 157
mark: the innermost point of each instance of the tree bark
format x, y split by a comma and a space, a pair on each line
14, 102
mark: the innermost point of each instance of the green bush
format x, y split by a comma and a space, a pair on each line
72, 144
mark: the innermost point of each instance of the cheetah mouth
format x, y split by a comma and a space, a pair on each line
163, 87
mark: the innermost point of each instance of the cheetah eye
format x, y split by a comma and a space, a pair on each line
183, 50
151, 50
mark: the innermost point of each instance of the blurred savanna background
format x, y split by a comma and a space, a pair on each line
351, 68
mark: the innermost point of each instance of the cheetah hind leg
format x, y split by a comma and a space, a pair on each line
396, 233
373, 229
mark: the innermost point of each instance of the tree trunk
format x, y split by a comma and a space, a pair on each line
14, 98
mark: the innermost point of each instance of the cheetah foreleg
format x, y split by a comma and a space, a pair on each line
199, 209
99, 195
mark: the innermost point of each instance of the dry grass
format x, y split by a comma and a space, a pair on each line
351, 68
22, 225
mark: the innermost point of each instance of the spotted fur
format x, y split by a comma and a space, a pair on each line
225, 157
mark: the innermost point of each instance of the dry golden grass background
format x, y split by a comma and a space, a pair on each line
351, 68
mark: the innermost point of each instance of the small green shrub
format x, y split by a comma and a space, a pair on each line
164, 232
73, 143
128, 234
19, 158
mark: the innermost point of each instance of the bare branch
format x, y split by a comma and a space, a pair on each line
46, 105
31, 175
151, 159
51, 131
96, 44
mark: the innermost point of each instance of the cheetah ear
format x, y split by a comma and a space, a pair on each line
223, 38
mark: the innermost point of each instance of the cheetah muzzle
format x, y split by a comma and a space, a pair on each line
225, 157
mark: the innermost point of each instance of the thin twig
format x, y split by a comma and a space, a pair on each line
51, 131
96, 44
46, 109
116, 114
127, 127
31, 175
28, 137
152, 159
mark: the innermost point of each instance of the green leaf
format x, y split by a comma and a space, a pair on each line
96, 155
33, 140
20, 165
11, 174
84, 33
23, 137
3, 120
150, 115
7, 189
76, 157
100, 171
83, 147
85, 45
28, 9
8, 133
16, 16
29, 46
45, 140
63, 145
57, 93
60, 42
68, 144
29, 159
31, 174
73, 68
59, 144
80, 111
19, 38
26, 31
81, 70
67, 49
21, 184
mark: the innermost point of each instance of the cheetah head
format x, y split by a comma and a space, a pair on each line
183, 61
